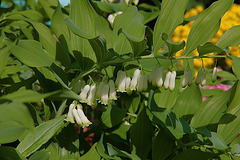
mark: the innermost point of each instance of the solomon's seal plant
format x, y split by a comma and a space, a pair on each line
92, 80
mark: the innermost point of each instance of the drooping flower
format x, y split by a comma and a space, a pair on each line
190, 77
128, 82
185, 77
167, 80
203, 78
91, 100
152, 75
80, 117
112, 91
121, 81
112, 17
172, 81
158, 78
70, 117
84, 93
135, 79
104, 94
214, 75
199, 77
145, 82
140, 82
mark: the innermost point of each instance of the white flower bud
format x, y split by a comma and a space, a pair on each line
112, 17
145, 83
112, 92
152, 75
135, 2
77, 117
118, 77
203, 79
185, 77
135, 79
167, 80
122, 82
99, 91
140, 82
128, 82
104, 95
91, 100
214, 75
70, 117
172, 81
84, 121
198, 78
84, 93
158, 78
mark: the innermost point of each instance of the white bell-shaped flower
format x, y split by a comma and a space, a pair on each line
112, 91
104, 95
185, 77
135, 2
112, 17
91, 100
158, 77
140, 82
172, 81
84, 93
214, 75
203, 78
84, 120
189, 77
135, 79
70, 117
128, 82
199, 77
167, 80
121, 82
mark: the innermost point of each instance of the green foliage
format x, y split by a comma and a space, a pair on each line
43, 66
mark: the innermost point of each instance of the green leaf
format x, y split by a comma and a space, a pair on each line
132, 102
10, 131
171, 15
173, 47
4, 53
236, 66
143, 130
176, 127
234, 96
40, 135
43, 155
18, 112
30, 52
76, 30
10, 153
226, 75
207, 24
26, 96
218, 141
91, 154
110, 7
162, 146
193, 154
188, 102
113, 116
48, 6
209, 48
211, 110
230, 38
131, 22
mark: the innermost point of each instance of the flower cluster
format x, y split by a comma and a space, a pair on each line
170, 80
75, 113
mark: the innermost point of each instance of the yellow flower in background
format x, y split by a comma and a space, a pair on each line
230, 19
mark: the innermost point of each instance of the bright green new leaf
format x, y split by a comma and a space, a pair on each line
207, 24
170, 16
230, 38
30, 52
209, 48
40, 135
10, 131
